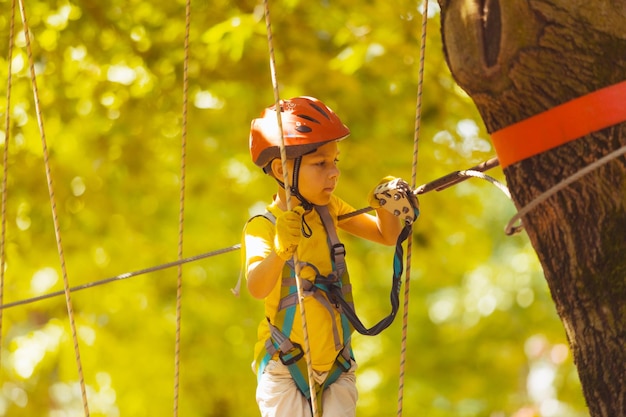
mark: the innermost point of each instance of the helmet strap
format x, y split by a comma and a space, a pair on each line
308, 206
294, 190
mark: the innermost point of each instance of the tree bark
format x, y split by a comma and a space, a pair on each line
519, 58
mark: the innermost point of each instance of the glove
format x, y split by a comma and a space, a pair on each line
372, 199
288, 232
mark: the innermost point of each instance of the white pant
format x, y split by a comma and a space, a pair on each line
278, 396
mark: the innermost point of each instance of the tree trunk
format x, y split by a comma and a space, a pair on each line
519, 58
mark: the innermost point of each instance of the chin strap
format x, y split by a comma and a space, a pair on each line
294, 190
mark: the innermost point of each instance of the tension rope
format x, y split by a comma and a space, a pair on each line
409, 247
55, 217
181, 213
5, 159
283, 159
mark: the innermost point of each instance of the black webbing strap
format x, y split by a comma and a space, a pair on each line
335, 293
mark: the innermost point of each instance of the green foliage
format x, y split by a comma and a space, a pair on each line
481, 325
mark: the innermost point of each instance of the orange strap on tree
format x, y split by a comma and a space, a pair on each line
561, 124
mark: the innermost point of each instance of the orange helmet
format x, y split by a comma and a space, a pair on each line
307, 124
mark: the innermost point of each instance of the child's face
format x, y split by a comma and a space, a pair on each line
319, 174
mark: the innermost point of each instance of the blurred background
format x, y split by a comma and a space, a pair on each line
483, 335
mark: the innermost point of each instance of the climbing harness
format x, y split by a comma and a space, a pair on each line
291, 354
334, 292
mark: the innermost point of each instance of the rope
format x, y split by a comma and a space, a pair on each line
283, 158
510, 229
407, 277
181, 214
123, 276
5, 160
55, 219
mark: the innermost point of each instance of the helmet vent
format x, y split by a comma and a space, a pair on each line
303, 129
305, 116
320, 110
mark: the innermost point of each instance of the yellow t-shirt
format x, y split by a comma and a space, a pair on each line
258, 242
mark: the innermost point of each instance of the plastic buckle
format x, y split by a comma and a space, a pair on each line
336, 250
293, 356
343, 363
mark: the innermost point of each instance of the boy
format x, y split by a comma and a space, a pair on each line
311, 131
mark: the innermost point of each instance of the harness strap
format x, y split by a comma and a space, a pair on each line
335, 293
337, 288
290, 353
310, 289
292, 359
280, 341
337, 249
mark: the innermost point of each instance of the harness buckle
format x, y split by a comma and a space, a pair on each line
336, 250
343, 363
293, 356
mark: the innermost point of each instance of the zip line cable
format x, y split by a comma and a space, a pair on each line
181, 214
55, 217
409, 247
283, 159
5, 159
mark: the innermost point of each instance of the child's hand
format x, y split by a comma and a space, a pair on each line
288, 234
